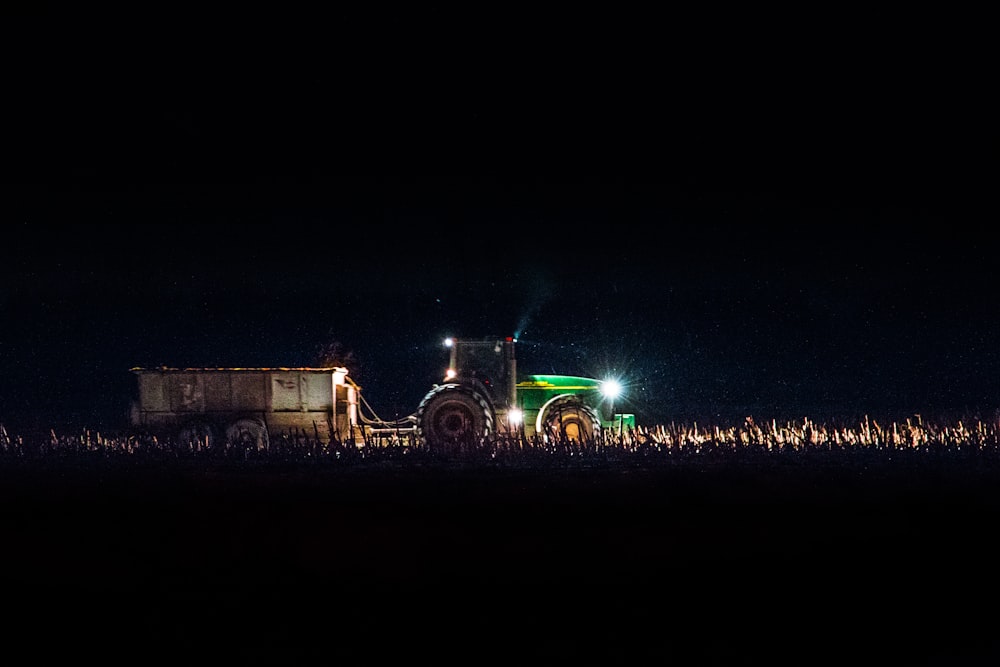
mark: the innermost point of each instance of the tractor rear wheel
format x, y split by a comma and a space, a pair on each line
453, 419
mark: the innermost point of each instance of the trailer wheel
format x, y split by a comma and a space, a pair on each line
569, 418
454, 418
197, 433
249, 433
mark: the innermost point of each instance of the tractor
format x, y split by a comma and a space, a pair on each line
482, 397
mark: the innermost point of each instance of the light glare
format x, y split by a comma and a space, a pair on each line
611, 388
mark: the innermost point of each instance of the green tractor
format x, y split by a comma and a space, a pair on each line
482, 397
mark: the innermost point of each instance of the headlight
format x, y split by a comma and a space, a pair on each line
611, 388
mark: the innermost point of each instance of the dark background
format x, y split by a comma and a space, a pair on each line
766, 212
732, 216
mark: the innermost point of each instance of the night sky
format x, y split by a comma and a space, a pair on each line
778, 235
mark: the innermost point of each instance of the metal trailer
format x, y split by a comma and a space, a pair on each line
251, 404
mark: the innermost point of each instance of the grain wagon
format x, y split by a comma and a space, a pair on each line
255, 405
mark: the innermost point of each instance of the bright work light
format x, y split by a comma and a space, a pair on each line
611, 388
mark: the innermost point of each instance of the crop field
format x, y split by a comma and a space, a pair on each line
786, 543
861, 441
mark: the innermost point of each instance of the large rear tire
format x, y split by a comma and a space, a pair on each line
454, 419
570, 419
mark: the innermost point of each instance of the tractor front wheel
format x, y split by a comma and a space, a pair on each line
570, 419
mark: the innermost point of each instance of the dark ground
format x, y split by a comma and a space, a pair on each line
707, 564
